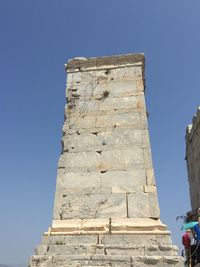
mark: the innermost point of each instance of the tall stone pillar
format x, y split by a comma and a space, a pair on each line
106, 210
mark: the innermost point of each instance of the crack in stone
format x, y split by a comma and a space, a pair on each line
95, 250
102, 202
110, 226
127, 205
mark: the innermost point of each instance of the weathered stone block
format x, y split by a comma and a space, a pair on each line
91, 140
58, 194
122, 137
41, 250
153, 199
99, 104
93, 206
81, 179
122, 157
84, 122
133, 250
96, 225
145, 138
161, 250
149, 188
87, 191
77, 249
121, 103
79, 160
147, 157
140, 239
70, 239
113, 84
130, 120
139, 205
119, 120
137, 226
125, 74
124, 181
150, 176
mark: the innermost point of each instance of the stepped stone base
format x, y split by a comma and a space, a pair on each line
138, 242
104, 260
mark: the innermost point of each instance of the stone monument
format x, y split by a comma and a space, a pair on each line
106, 210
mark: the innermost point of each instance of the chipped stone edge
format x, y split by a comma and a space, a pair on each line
98, 63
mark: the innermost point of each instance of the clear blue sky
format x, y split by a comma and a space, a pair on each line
37, 38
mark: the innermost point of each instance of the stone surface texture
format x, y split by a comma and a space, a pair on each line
106, 210
193, 159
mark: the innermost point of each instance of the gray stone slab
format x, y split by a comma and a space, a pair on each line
103, 168
145, 138
118, 159
148, 157
150, 178
135, 239
128, 120
153, 199
87, 190
98, 104
58, 194
98, 86
122, 157
81, 179
77, 249
67, 130
70, 239
118, 120
94, 206
103, 148
117, 137
161, 250
134, 250
122, 137
124, 181
139, 205
80, 159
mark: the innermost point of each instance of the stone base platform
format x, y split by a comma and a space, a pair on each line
98, 260
98, 242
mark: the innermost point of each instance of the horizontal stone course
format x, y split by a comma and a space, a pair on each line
93, 90
100, 148
103, 168
115, 74
150, 239
70, 131
91, 249
103, 159
70, 239
104, 139
114, 120
127, 181
98, 106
